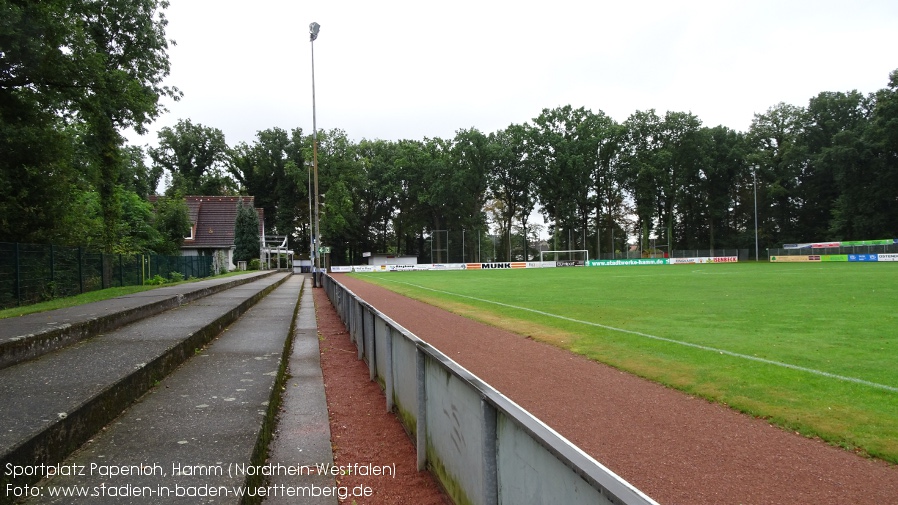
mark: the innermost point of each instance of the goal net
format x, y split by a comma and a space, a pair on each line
579, 255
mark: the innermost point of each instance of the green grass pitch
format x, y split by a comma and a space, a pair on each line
810, 347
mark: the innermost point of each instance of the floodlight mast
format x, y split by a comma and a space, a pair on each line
316, 246
754, 181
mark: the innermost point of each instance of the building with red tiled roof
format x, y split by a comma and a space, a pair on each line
212, 221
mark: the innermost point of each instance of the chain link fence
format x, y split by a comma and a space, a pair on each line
31, 273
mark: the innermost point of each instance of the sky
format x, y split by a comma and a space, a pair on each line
422, 69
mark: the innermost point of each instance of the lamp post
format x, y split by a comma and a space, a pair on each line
316, 246
311, 223
754, 182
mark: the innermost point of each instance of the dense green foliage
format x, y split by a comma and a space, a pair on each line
809, 347
74, 74
246, 234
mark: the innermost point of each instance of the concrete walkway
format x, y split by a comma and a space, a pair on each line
202, 434
303, 437
29, 336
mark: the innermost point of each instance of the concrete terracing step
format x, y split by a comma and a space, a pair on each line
27, 337
51, 405
201, 435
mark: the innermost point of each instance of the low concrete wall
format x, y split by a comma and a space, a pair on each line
18, 348
484, 449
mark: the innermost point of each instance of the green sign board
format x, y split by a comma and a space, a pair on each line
627, 262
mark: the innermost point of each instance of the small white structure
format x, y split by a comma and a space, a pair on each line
302, 266
270, 247
377, 259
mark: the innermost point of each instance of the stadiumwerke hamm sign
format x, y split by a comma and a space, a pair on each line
628, 262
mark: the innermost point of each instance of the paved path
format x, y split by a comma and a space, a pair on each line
303, 435
32, 335
202, 433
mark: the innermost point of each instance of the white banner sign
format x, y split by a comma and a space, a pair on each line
694, 261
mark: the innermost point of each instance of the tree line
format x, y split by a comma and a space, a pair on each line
74, 74
826, 171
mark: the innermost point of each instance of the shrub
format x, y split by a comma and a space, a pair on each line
50, 292
156, 280
176, 276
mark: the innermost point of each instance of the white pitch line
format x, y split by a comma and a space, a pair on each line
670, 340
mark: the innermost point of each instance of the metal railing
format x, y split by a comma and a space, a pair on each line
30, 273
506, 456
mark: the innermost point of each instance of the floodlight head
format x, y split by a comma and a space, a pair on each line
313, 31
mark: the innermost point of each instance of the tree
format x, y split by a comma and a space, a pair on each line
412, 216
723, 191
471, 156
642, 155
37, 179
173, 223
866, 158
341, 178
378, 194
773, 137
566, 149
98, 64
833, 122
512, 180
195, 156
135, 175
246, 233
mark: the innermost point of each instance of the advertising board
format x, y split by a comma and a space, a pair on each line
496, 266
628, 262
794, 259
703, 260
570, 263
448, 266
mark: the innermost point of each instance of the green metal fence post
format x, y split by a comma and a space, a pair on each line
18, 285
80, 271
52, 264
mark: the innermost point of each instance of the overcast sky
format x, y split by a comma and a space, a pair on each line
393, 70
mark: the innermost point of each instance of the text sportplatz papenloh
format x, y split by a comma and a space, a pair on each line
182, 469
118, 485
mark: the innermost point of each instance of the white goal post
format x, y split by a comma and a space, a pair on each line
567, 255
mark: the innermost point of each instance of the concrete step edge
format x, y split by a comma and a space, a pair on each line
25, 347
53, 444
